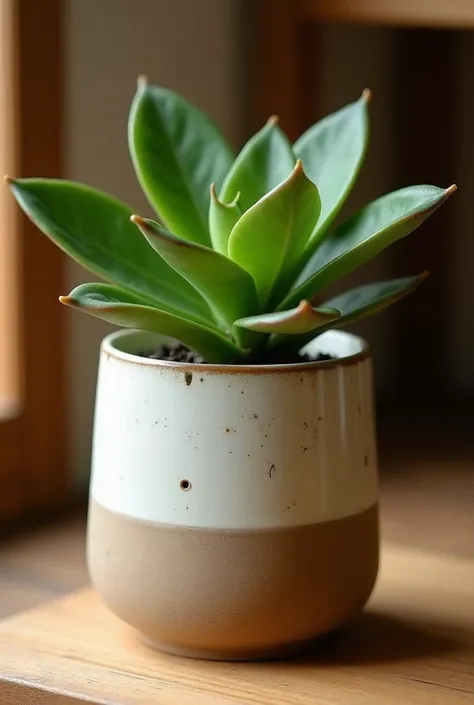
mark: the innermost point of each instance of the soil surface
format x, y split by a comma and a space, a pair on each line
175, 353
180, 353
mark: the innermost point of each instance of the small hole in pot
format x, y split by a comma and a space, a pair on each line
185, 485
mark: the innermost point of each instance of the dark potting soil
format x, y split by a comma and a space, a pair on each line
175, 353
180, 353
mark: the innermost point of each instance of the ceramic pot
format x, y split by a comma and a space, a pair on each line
233, 509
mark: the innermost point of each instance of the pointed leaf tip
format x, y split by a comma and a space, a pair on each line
271, 235
235, 201
261, 165
222, 218
66, 300
332, 151
142, 81
304, 306
298, 168
299, 320
226, 204
8, 179
138, 220
446, 193
352, 305
367, 95
121, 308
165, 163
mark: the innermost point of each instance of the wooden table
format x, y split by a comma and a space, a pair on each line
414, 644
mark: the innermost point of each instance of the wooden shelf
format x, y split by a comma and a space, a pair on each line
457, 14
414, 644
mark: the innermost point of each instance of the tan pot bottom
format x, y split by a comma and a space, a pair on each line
227, 594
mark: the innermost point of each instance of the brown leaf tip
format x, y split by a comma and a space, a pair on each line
142, 81
367, 95
7, 179
449, 191
273, 120
67, 301
139, 221
304, 306
298, 169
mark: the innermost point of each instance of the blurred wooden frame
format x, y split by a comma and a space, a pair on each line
33, 472
455, 14
287, 35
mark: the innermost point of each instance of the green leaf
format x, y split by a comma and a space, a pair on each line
358, 303
372, 298
273, 233
362, 237
264, 162
332, 152
228, 289
95, 230
177, 153
222, 218
301, 319
117, 306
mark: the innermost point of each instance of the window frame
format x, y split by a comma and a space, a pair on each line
33, 443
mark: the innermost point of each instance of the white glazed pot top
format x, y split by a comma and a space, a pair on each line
234, 447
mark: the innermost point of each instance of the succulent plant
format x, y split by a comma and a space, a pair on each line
243, 245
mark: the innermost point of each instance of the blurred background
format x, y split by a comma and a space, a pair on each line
68, 71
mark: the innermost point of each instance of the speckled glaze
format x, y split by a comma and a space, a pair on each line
233, 510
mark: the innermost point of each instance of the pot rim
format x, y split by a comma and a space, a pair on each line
108, 348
